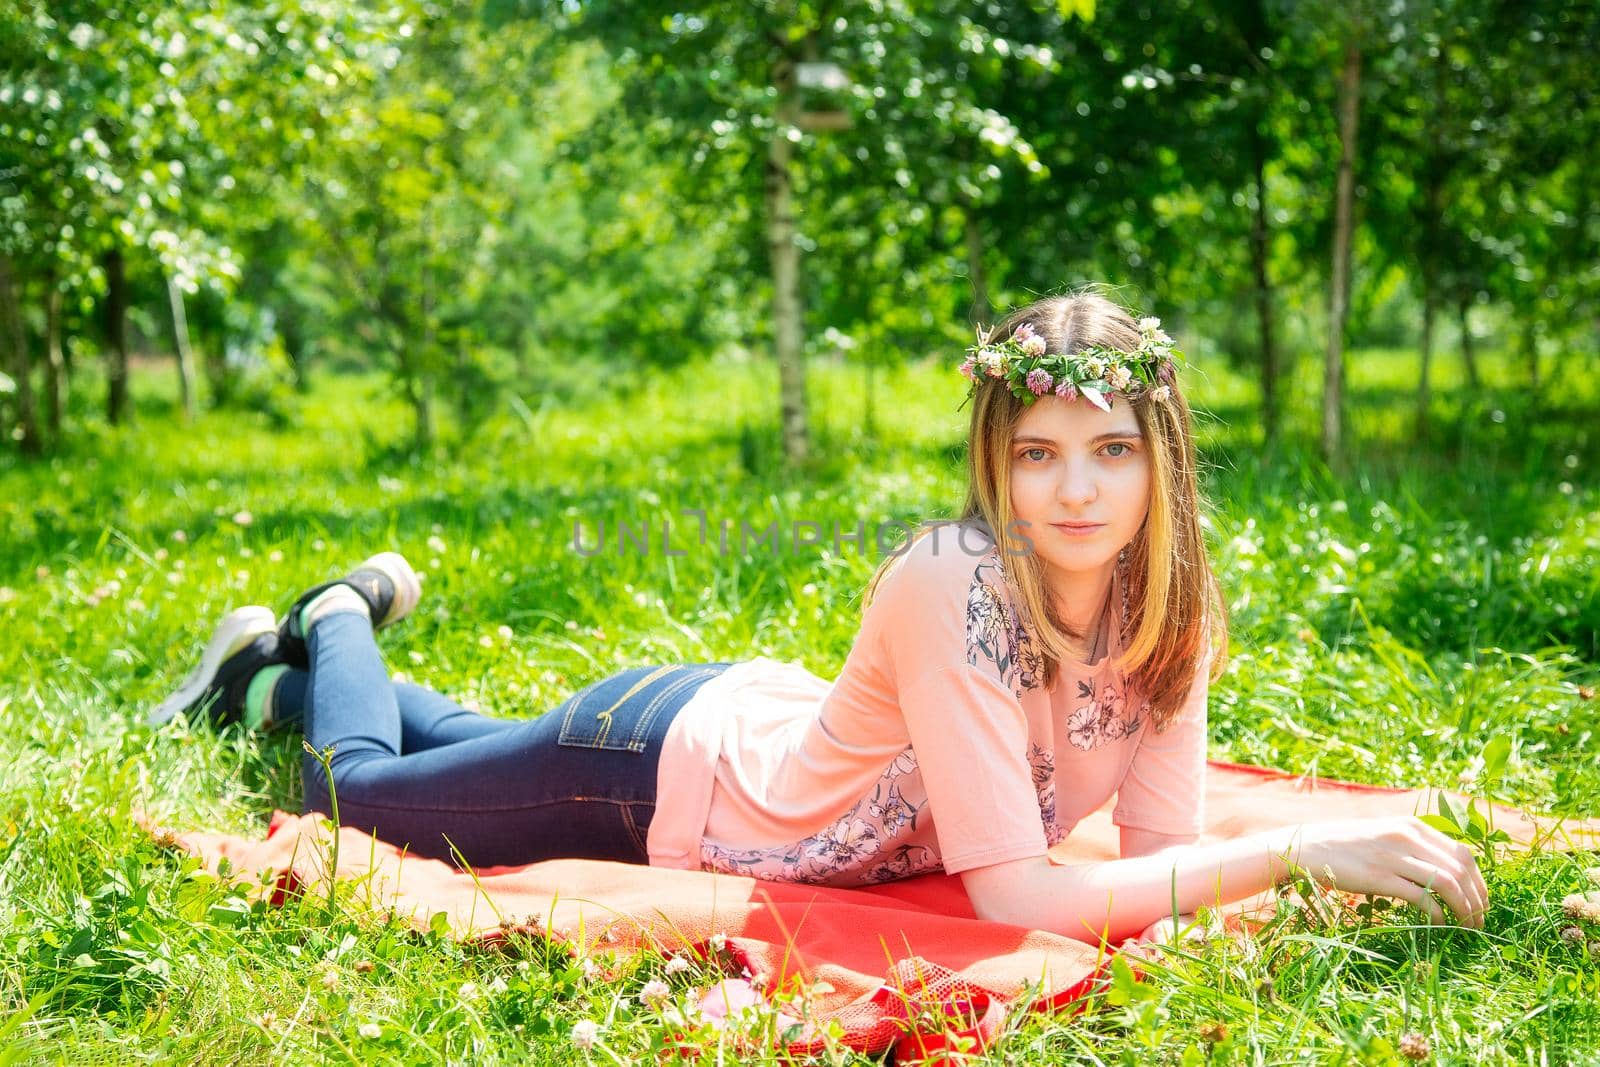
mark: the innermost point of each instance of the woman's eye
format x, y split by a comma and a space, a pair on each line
1028, 452
1124, 449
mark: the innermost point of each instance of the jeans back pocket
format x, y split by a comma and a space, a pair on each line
616, 713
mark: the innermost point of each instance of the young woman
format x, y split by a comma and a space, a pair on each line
1001, 687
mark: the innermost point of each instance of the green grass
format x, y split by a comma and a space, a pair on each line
1388, 622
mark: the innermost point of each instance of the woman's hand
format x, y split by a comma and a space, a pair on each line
1185, 929
1393, 857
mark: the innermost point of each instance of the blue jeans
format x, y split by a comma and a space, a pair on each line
443, 782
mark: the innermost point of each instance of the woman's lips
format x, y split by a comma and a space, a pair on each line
1078, 529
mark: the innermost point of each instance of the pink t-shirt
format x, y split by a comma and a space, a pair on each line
938, 746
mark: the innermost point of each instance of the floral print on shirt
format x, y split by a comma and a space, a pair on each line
1101, 721
997, 634
864, 846
1043, 763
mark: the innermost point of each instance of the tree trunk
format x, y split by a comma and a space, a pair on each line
1424, 397
785, 254
422, 409
1430, 287
981, 308
15, 340
294, 345
180, 336
1469, 358
1344, 211
1259, 244
116, 324
55, 364
1530, 349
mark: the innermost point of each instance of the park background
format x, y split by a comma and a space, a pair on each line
282, 284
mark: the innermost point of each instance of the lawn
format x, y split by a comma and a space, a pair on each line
1392, 623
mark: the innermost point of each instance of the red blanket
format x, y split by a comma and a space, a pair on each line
869, 958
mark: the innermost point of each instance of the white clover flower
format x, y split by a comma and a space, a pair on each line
1161, 394
1034, 345
585, 1032
677, 965
1119, 378
718, 942
370, 1031
655, 993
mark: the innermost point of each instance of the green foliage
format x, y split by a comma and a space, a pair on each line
498, 202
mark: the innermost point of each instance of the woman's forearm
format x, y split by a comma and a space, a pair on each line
1396, 856
1120, 898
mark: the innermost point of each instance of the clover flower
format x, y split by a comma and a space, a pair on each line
1039, 382
1575, 906
585, 1032
1029, 341
1066, 390
655, 993
1414, 1046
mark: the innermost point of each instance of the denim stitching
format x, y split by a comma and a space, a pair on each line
598, 739
671, 689
641, 686
639, 839
575, 702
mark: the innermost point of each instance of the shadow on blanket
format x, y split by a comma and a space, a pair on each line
872, 958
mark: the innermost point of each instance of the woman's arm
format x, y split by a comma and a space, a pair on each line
1116, 899
1137, 842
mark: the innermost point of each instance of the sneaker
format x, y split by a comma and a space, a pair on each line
243, 642
386, 582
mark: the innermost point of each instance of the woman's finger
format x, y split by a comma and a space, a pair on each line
1470, 879
1436, 878
1445, 879
1457, 860
1393, 885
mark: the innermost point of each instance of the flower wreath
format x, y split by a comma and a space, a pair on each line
1097, 373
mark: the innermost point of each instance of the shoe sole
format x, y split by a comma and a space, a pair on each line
407, 589
236, 630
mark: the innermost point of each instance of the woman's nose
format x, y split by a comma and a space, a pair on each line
1077, 486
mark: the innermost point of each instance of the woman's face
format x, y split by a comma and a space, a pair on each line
1080, 483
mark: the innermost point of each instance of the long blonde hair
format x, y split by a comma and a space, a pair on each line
1175, 610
